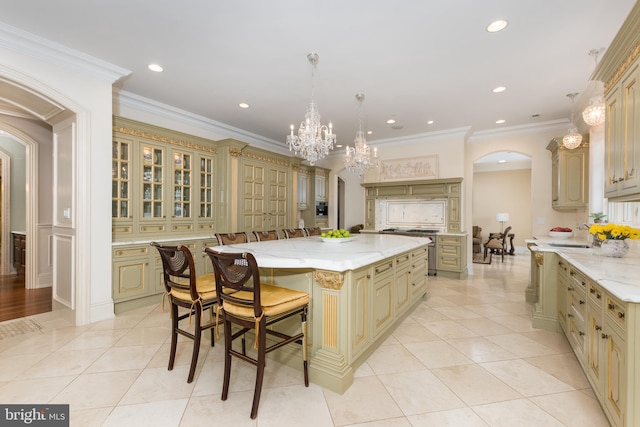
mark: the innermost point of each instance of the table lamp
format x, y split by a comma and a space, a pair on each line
502, 217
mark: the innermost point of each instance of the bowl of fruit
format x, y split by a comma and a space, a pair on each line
336, 236
561, 232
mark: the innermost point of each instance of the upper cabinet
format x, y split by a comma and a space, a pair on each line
162, 182
569, 174
619, 69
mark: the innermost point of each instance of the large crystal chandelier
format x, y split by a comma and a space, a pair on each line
358, 159
573, 139
314, 140
594, 114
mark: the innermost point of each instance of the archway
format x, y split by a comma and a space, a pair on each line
502, 184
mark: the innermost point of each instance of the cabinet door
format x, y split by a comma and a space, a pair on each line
278, 189
152, 183
383, 283
449, 250
303, 184
402, 282
613, 143
131, 273
206, 208
563, 270
121, 186
359, 329
321, 188
631, 133
595, 347
182, 174
254, 211
615, 383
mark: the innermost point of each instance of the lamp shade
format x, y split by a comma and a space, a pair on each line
502, 216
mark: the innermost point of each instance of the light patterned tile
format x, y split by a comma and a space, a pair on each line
437, 354
157, 414
573, 409
474, 385
515, 413
452, 418
393, 358
526, 378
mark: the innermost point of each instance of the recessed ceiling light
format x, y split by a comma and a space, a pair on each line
430, 122
369, 132
390, 121
243, 105
501, 121
338, 145
155, 67
499, 89
498, 25
502, 161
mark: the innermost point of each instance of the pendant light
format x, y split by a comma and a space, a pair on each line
573, 139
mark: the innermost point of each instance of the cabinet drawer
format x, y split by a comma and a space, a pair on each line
577, 280
382, 268
615, 309
131, 252
449, 251
402, 261
577, 305
595, 294
449, 240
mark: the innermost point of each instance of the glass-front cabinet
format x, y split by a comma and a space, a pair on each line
152, 182
181, 185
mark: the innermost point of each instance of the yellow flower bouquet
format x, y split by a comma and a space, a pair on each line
614, 232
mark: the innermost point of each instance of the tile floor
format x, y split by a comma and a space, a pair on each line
466, 357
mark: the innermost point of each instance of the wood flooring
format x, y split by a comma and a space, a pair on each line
16, 301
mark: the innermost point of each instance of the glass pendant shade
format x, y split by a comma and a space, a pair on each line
594, 114
573, 139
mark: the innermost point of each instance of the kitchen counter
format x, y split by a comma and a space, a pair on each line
313, 253
360, 291
620, 276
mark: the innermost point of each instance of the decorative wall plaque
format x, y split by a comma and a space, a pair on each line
425, 167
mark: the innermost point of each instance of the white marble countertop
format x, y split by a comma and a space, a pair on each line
172, 239
620, 276
24, 233
313, 253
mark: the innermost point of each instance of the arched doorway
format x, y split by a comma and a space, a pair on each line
502, 184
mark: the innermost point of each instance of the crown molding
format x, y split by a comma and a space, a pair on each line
29, 44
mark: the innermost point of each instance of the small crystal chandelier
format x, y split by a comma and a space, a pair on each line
573, 139
314, 140
358, 159
594, 114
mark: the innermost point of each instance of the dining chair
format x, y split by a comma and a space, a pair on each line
313, 231
262, 236
254, 306
232, 238
293, 233
497, 243
185, 290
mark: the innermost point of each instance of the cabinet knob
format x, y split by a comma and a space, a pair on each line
569, 315
598, 328
611, 306
598, 296
581, 333
569, 288
620, 315
581, 302
604, 336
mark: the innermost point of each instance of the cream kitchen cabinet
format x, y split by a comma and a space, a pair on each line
303, 190
321, 188
163, 182
569, 174
265, 191
601, 329
619, 69
451, 255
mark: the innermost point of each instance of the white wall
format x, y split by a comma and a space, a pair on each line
83, 86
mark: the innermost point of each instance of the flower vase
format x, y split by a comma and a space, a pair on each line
614, 248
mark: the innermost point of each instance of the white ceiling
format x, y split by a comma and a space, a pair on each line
414, 60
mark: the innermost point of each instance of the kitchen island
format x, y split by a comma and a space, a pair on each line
360, 291
595, 301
